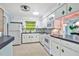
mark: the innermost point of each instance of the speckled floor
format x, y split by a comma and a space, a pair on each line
33, 49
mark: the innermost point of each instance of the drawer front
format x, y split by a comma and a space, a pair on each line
68, 52
56, 40
72, 7
70, 45
61, 11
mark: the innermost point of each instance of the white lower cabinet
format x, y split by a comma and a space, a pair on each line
65, 48
27, 38
68, 52
7, 50
55, 49
70, 45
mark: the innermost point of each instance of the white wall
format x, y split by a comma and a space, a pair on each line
7, 17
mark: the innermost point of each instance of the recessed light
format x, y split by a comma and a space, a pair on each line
35, 13
25, 8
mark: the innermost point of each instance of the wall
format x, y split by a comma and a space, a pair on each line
7, 19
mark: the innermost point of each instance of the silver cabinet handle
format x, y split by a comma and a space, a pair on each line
57, 47
62, 50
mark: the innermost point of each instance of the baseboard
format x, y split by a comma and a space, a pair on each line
16, 45
41, 44
30, 42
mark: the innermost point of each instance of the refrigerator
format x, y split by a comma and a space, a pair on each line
15, 29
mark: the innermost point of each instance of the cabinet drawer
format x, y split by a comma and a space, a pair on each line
72, 7
68, 52
56, 40
70, 45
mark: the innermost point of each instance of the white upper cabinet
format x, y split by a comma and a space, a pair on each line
61, 11
72, 7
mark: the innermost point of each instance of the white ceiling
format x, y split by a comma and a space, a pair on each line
15, 9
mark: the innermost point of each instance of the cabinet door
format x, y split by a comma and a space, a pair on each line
55, 49
61, 11
68, 52
72, 7
7, 50
70, 45
42, 39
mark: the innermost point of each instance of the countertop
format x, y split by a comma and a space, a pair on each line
74, 33
68, 38
5, 40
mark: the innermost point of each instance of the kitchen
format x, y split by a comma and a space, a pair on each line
39, 29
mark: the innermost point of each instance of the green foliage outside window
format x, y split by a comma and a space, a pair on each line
30, 25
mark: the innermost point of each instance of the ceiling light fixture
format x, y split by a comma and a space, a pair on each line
35, 13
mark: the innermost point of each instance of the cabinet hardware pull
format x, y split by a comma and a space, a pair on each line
57, 47
62, 50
